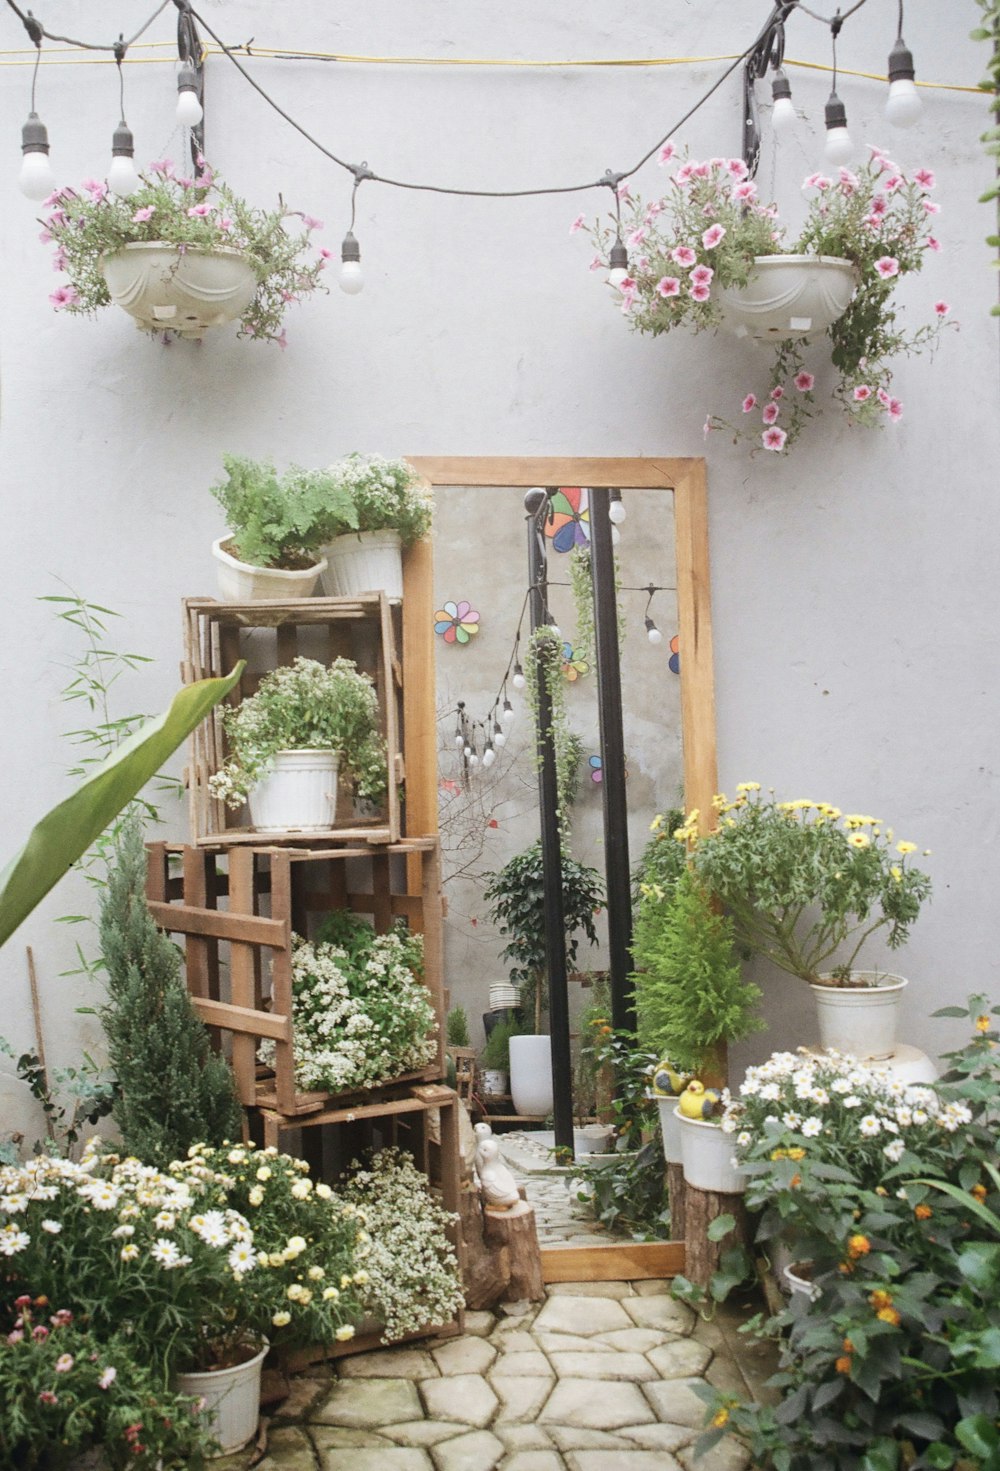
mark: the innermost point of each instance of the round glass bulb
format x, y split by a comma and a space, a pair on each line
519, 681
507, 717
489, 756
189, 110
351, 279
783, 114
473, 759
499, 738
617, 512
654, 635
459, 739
838, 148
617, 276
122, 177
903, 106
36, 179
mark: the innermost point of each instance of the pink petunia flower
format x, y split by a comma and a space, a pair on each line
146, 212
577, 224
891, 182
655, 207
64, 296
750, 402
774, 438
684, 174
328, 255
666, 154
623, 191
700, 291
933, 244
817, 181
45, 237
702, 276
706, 428
931, 208
636, 237
96, 188
882, 397
804, 381
879, 205
282, 339
311, 223
942, 308
887, 267
60, 260
164, 166
894, 410
737, 168
862, 393
701, 170
745, 190
770, 413
200, 211
710, 239
777, 391
224, 223
848, 181
925, 178
668, 286
597, 264
108, 1377
683, 255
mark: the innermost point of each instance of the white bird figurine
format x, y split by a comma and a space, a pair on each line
498, 1184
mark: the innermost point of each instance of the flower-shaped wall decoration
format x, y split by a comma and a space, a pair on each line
573, 668
674, 662
456, 623
568, 522
596, 765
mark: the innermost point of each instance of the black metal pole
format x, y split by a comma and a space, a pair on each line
609, 702
536, 505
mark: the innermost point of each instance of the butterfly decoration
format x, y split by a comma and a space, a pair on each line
456, 623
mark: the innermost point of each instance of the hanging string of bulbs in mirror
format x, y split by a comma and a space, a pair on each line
479, 740
766, 53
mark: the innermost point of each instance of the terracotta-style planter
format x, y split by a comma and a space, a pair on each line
186, 290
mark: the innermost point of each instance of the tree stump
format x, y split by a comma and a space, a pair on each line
486, 1268
515, 1232
701, 1256
676, 1189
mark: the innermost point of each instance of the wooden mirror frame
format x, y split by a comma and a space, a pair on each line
687, 480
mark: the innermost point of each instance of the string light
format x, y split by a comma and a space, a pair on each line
499, 734
616, 510
652, 632
839, 146
902, 106
189, 109
36, 179
518, 680
783, 114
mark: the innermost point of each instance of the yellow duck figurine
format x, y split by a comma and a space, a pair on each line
667, 1082
697, 1101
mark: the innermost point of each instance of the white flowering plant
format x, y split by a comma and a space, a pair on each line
893, 1193
703, 235
383, 495
806, 885
362, 1014
308, 1242
303, 706
413, 1273
200, 212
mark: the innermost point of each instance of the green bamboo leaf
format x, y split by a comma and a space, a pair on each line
66, 832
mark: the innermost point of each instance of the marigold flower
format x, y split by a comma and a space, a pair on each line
980, 1192
720, 1418
880, 1298
889, 1315
858, 1245
843, 1365
847, 1346
923, 1212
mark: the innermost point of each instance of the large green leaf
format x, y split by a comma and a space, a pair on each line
66, 832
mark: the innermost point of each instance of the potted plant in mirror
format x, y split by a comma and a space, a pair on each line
494, 1060
277, 524
711, 253
808, 887
289, 741
181, 254
391, 507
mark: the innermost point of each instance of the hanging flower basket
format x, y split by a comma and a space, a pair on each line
789, 296
183, 289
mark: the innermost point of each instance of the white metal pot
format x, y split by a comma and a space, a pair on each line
299, 793
860, 1019
240, 582
184, 291
232, 1400
364, 562
670, 1130
789, 296
531, 1075
494, 1082
707, 1156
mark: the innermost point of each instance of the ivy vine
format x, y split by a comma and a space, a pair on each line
545, 652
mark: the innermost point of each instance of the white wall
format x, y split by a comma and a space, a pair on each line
854, 623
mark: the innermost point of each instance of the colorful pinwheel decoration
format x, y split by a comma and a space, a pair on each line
456, 623
573, 668
568, 521
674, 662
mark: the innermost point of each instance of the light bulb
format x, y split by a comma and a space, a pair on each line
616, 536
351, 279
489, 755
459, 738
499, 736
467, 752
618, 262
507, 714
903, 106
122, 177
617, 512
189, 109
783, 114
653, 633
36, 179
519, 680
838, 148
473, 759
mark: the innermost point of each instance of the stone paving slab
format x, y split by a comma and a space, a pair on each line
587, 1315
574, 1402
465, 1397
633, 1367
390, 1458
368, 1404
621, 1461
478, 1451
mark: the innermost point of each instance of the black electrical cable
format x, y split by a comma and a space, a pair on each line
35, 28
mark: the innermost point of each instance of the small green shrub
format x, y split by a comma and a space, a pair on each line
279, 520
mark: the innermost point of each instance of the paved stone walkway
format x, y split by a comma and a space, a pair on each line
560, 1217
597, 1378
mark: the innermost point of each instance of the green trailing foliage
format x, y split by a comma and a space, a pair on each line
690, 994
173, 1091
989, 31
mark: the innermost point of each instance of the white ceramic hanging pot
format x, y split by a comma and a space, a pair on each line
531, 1075
860, 1018
232, 1400
707, 1156
298, 794
241, 582
364, 562
184, 290
789, 296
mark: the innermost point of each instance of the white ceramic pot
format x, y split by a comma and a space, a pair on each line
494, 1082
239, 582
797, 1281
860, 1019
789, 296
707, 1156
364, 562
187, 292
910, 1065
531, 1075
232, 1400
670, 1130
299, 793
503, 995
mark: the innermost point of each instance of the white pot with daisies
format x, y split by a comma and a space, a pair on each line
385, 507
709, 253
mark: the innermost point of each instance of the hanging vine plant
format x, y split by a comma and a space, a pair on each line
583, 603
545, 651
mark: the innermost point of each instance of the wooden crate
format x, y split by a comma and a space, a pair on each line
269, 634
237, 907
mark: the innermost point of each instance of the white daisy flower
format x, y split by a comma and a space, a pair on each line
869, 1126
811, 1128
165, 1253
894, 1150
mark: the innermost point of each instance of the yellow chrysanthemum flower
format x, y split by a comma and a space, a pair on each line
859, 840
748, 786
906, 847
